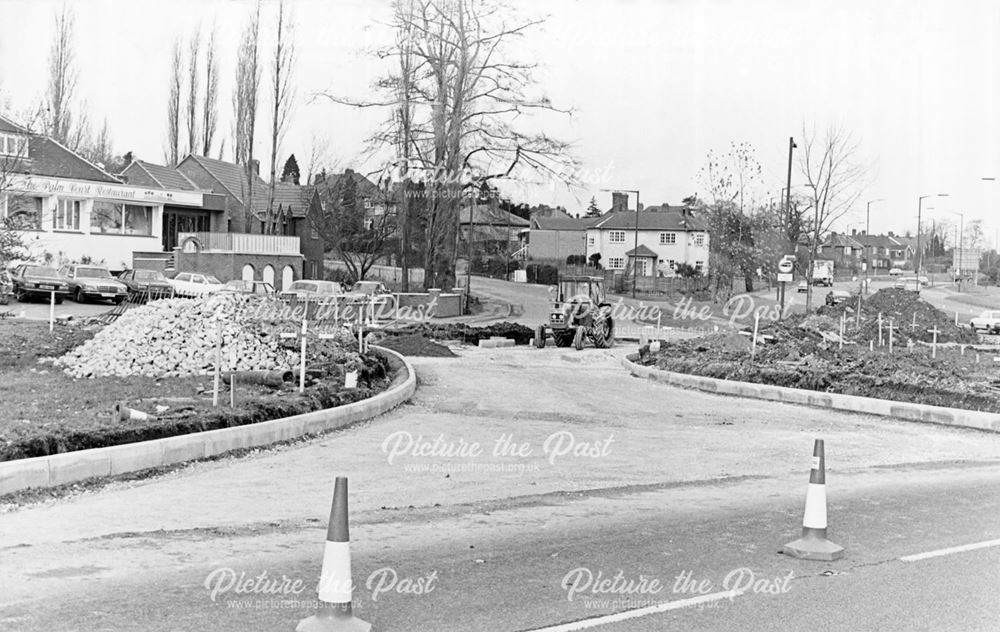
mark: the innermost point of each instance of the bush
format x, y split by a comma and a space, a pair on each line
595, 260
542, 273
576, 260
496, 267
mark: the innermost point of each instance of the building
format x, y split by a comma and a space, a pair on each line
494, 232
68, 209
557, 237
844, 250
666, 236
884, 251
294, 206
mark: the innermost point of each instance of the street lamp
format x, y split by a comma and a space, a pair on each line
961, 240
868, 218
920, 201
635, 259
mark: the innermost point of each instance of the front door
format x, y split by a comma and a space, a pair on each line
182, 221
641, 266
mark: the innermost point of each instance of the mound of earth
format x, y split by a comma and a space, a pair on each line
416, 345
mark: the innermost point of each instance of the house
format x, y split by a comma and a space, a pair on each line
494, 232
844, 250
69, 209
884, 251
556, 237
666, 236
292, 211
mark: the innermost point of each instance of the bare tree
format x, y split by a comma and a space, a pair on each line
466, 91
834, 178
353, 238
100, 151
172, 153
319, 157
194, 51
210, 110
245, 95
282, 65
62, 78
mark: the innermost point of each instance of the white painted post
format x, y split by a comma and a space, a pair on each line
961, 350
843, 320
302, 360
218, 365
956, 319
871, 345
232, 390
891, 328
52, 310
753, 345
934, 333
880, 343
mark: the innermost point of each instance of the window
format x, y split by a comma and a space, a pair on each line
616, 237
106, 217
590, 240
616, 263
699, 239
668, 239
138, 220
12, 145
68, 215
699, 266
847, 251
25, 213
671, 263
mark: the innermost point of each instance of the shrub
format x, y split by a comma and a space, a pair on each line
542, 273
576, 260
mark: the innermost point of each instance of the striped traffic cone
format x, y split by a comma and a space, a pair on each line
335, 584
813, 544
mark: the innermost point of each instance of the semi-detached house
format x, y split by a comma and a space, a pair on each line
667, 236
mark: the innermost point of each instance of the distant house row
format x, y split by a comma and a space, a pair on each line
882, 252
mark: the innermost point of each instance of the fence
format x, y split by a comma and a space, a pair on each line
387, 274
245, 243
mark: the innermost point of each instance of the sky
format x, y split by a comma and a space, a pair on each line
653, 85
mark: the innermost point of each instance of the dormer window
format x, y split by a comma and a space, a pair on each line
13, 145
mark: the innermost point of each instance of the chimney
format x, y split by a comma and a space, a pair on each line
854, 232
619, 201
255, 166
890, 234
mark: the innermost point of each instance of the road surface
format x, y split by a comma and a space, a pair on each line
580, 469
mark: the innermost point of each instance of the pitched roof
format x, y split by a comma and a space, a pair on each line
677, 218
6, 125
556, 222
158, 176
363, 186
484, 214
840, 240
233, 178
293, 197
641, 251
876, 241
48, 158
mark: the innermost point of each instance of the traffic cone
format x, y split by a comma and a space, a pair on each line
813, 544
335, 584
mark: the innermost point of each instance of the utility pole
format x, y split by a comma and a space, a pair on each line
918, 256
868, 259
961, 240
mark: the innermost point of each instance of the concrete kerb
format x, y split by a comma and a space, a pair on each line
70, 467
922, 413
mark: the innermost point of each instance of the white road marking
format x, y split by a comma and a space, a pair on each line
639, 612
954, 549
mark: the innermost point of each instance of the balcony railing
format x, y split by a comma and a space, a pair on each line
245, 243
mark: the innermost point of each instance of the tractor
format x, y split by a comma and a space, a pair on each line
579, 311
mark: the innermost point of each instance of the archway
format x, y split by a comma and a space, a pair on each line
248, 272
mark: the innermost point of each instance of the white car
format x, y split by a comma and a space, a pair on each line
895, 272
987, 322
313, 290
194, 284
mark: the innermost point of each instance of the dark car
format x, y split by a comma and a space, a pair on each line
257, 288
93, 282
35, 281
146, 284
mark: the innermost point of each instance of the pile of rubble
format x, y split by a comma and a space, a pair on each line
910, 316
178, 337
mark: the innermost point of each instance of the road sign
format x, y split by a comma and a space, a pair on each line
785, 265
784, 277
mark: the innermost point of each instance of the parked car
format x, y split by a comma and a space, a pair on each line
313, 289
145, 284
907, 283
896, 272
30, 280
803, 286
924, 281
6, 288
369, 288
87, 282
193, 284
257, 288
987, 322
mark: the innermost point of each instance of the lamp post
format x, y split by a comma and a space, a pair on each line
868, 219
635, 259
919, 255
961, 240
